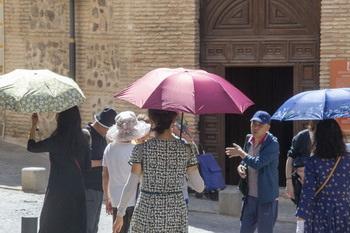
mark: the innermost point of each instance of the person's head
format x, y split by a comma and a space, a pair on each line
105, 119
260, 124
329, 140
68, 120
312, 129
127, 128
69, 131
143, 117
161, 119
312, 125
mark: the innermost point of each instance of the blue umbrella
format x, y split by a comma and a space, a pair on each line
315, 105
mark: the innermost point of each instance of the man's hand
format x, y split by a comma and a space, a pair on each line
242, 171
235, 151
289, 189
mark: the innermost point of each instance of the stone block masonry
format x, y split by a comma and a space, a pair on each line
117, 42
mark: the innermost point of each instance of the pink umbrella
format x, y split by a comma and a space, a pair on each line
185, 90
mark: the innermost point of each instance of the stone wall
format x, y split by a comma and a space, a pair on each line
127, 40
335, 39
117, 42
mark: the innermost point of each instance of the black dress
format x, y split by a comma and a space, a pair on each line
64, 208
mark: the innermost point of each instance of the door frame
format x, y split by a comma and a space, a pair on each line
257, 33
212, 126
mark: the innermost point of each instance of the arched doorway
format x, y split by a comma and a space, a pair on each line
269, 49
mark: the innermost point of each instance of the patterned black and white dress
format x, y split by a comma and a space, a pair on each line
161, 206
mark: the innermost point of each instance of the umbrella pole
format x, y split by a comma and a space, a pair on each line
182, 118
3, 123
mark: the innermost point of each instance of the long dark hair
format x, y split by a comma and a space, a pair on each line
329, 140
69, 131
162, 119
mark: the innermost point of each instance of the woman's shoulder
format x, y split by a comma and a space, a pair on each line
312, 159
160, 140
317, 159
347, 155
156, 143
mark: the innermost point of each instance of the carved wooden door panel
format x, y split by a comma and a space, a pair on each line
257, 33
271, 31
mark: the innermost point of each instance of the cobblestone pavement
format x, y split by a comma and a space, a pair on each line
15, 204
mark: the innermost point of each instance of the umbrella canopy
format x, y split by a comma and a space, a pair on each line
185, 90
315, 105
38, 91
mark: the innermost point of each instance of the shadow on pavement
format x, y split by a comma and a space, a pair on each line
13, 158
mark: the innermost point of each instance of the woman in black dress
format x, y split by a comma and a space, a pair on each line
64, 208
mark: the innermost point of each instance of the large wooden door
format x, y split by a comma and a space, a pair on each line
268, 87
255, 33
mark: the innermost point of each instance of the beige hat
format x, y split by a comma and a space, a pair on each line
127, 127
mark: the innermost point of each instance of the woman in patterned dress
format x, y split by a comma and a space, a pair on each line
162, 163
329, 210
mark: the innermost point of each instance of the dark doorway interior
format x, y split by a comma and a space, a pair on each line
268, 88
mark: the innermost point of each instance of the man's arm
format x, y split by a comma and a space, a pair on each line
289, 167
289, 183
96, 163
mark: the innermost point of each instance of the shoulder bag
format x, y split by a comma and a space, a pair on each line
335, 165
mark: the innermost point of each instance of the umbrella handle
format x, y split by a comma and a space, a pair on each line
182, 118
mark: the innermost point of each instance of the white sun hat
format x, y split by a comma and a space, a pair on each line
127, 127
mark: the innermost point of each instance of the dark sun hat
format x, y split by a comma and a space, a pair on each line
106, 117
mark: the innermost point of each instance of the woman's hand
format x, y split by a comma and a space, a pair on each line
118, 224
35, 119
242, 171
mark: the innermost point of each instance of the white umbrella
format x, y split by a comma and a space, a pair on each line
30, 91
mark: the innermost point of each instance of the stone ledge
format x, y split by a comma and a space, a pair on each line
34, 179
230, 203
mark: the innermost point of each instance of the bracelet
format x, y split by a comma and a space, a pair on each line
288, 178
